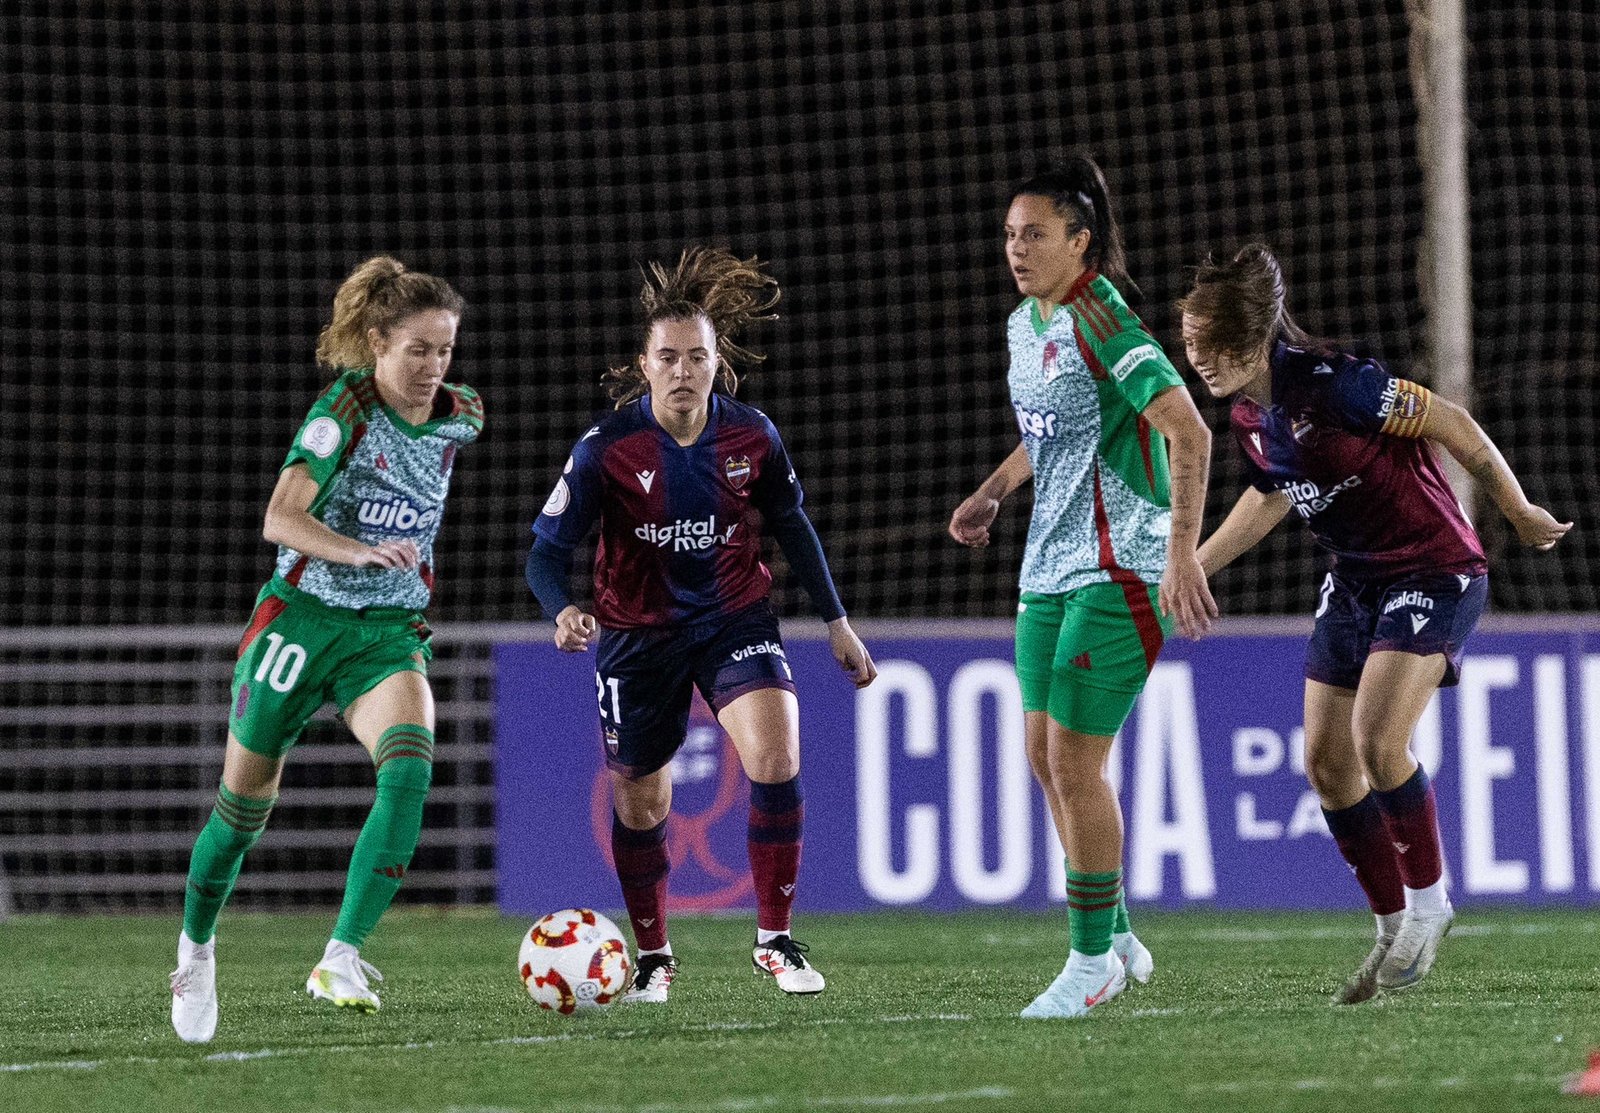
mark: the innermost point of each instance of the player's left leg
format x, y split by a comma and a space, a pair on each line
394, 720
764, 724
1394, 691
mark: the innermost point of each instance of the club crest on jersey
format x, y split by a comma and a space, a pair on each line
1300, 427
613, 740
447, 461
737, 469
1052, 361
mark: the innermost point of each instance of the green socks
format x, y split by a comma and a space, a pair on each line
235, 825
1092, 903
404, 758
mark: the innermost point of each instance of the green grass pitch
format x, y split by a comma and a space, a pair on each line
920, 1011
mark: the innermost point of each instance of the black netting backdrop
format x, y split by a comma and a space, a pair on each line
186, 184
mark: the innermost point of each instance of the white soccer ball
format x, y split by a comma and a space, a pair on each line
574, 959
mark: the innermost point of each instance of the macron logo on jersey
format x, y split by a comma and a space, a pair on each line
646, 479
686, 534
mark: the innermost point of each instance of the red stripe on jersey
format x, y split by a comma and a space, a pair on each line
1102, 524
292, 578
1096, 368
1145, 450
271, 607
1090, 311
1094, 303
1137, 594
1135, 591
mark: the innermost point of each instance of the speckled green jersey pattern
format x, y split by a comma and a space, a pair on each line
379, 478
1101, 494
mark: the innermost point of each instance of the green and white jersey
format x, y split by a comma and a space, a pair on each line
1101, 502
379, 478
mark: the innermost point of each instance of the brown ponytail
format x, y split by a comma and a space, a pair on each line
1238, 308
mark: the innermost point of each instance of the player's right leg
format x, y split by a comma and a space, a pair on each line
1356, 823
1094, 972
642, 682
277, 686
244, 801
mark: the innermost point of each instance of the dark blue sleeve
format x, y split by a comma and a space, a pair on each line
803, 549
776, 490
549, 566
1358, 395
574, 503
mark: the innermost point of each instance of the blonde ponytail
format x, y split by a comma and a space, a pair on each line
379, 294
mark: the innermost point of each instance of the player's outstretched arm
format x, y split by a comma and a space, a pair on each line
1251, 519
1184, 592
1460, 435
971, 521
289, 522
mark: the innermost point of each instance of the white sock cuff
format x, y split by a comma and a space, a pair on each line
335, 948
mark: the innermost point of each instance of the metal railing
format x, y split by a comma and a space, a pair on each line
111, 745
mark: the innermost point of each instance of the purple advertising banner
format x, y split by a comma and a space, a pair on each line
918, 792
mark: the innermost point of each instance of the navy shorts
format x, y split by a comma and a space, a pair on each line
1422, 613
645, 678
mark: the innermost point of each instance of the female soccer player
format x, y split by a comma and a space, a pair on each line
675, 478
1088, 385
1346, 445
354, 514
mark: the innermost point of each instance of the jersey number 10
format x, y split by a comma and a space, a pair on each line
288, 664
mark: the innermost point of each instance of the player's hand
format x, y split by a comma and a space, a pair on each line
1185, 595
850, 653
392, 554
971, 521
1537, 527
575, 630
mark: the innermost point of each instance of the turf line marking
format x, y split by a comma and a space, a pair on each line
503, 1041
1283, 935
851, 1101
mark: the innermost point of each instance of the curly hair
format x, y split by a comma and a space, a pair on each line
379, 294
711, 283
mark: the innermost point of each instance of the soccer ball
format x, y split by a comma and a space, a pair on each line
574, 959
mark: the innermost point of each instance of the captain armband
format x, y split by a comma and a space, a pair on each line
1408, 410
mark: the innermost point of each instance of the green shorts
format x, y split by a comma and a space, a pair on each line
1084, 655
299, 653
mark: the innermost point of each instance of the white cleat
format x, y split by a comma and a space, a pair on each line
194, 995
343, 980
1135, 956
1363, 984
785, 960
1082, 984
1415, 945
651, 980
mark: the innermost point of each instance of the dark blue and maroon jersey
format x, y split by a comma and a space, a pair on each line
680, 536
1342, 439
